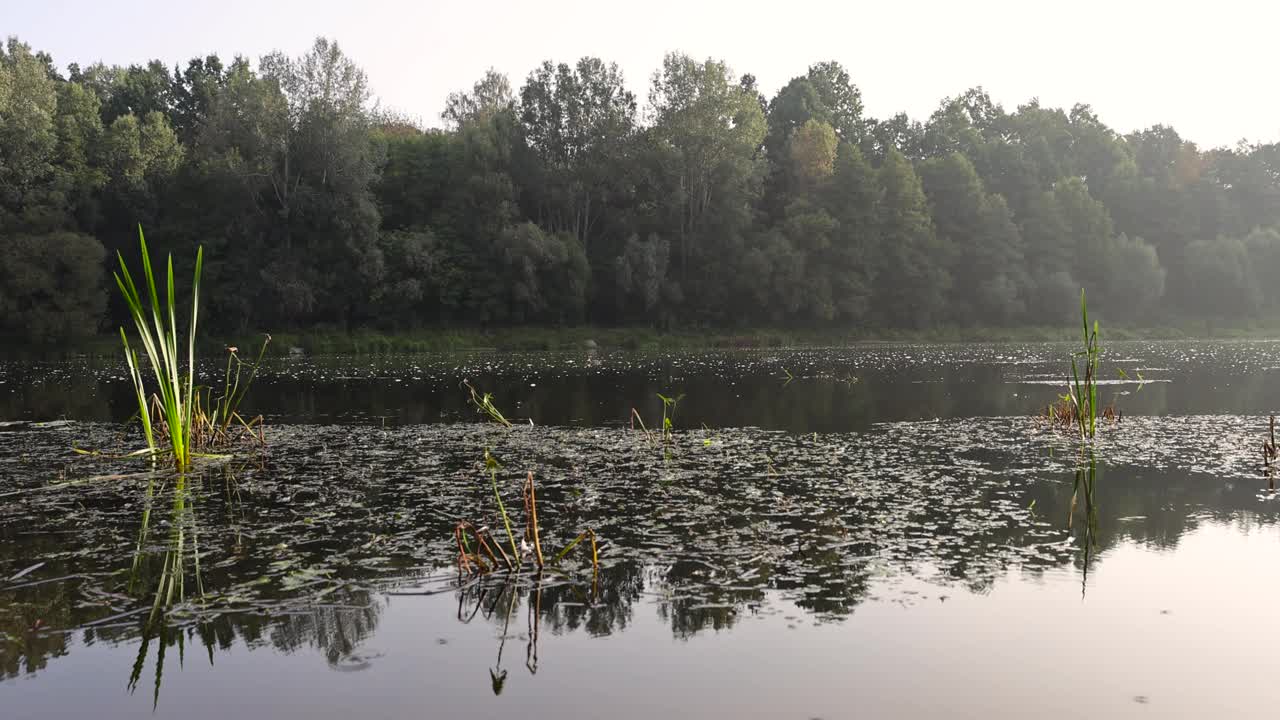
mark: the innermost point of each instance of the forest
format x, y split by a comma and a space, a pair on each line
563, 198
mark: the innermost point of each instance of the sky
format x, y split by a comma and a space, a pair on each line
1207, 69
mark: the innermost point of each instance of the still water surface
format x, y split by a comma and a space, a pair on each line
867, 532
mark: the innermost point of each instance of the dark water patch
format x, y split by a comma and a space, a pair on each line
825, 390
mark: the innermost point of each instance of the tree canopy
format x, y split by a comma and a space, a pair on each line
563, 198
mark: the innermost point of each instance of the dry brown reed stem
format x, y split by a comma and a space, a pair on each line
1269, 453
206, 434
467, 558
1064, 415
531, 510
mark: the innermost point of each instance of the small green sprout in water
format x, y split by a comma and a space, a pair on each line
668, 414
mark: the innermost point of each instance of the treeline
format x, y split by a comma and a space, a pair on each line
568, 200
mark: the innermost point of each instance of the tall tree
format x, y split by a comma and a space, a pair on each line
982, 246
911, 282
706, 138
578, 122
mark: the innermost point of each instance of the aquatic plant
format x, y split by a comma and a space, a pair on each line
484, 405
1078, 410
491, 464
1084, 391
185, 418
225, 409
484, 556
465, 532
159, 337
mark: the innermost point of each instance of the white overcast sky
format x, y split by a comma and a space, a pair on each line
1207, 68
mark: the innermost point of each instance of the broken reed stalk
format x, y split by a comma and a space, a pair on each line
595, 556
635, 418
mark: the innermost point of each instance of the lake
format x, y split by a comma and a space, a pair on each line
884, 531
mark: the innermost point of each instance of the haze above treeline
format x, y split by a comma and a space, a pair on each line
562, 198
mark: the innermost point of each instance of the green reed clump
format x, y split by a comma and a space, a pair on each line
157, 327
1079, 410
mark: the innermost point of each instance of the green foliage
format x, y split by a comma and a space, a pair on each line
51, 285
982, 245
912, 282
1224, 263
704, 142
561, 202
